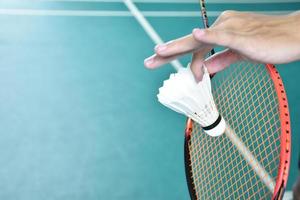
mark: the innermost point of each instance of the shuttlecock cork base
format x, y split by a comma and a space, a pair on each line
184, 95
217, 128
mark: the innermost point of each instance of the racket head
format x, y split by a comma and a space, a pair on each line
253, 102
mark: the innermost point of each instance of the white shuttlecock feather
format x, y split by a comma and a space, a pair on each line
184, 95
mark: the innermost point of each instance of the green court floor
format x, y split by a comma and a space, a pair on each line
79, 117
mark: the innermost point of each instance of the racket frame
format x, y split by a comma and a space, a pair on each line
285, 137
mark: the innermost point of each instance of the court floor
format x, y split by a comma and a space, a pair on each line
79, 117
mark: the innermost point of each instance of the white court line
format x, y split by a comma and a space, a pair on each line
107, 13
288, 195
74, 13
185, 1
196, 13
250, 159
149, 29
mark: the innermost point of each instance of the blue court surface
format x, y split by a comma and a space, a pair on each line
79, 118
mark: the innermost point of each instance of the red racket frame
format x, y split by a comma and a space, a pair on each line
285, 140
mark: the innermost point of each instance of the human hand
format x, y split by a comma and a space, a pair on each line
246, 36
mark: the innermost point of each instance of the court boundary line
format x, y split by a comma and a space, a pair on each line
184, 1
112, 13
148, 29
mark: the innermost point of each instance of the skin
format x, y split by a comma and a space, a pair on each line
245, 35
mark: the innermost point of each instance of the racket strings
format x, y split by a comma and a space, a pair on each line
269, 106
220, 168
253, 127
246, 99
258, 115
208, 191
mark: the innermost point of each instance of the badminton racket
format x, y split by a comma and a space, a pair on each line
251, 160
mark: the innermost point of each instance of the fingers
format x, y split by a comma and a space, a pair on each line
169, 51
199, 41
197, 63
214, 64
155, 61
179, 46
221, 60
215, 37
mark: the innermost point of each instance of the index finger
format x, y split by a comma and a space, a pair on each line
179, 46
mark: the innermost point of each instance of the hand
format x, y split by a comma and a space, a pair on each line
246, 36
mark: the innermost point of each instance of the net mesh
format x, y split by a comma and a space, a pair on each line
246, 98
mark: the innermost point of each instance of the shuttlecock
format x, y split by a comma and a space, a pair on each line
184, 95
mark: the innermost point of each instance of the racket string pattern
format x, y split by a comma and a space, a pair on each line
246, 98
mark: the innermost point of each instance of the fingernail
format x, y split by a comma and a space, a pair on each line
148, 61
198, 32
160, 47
